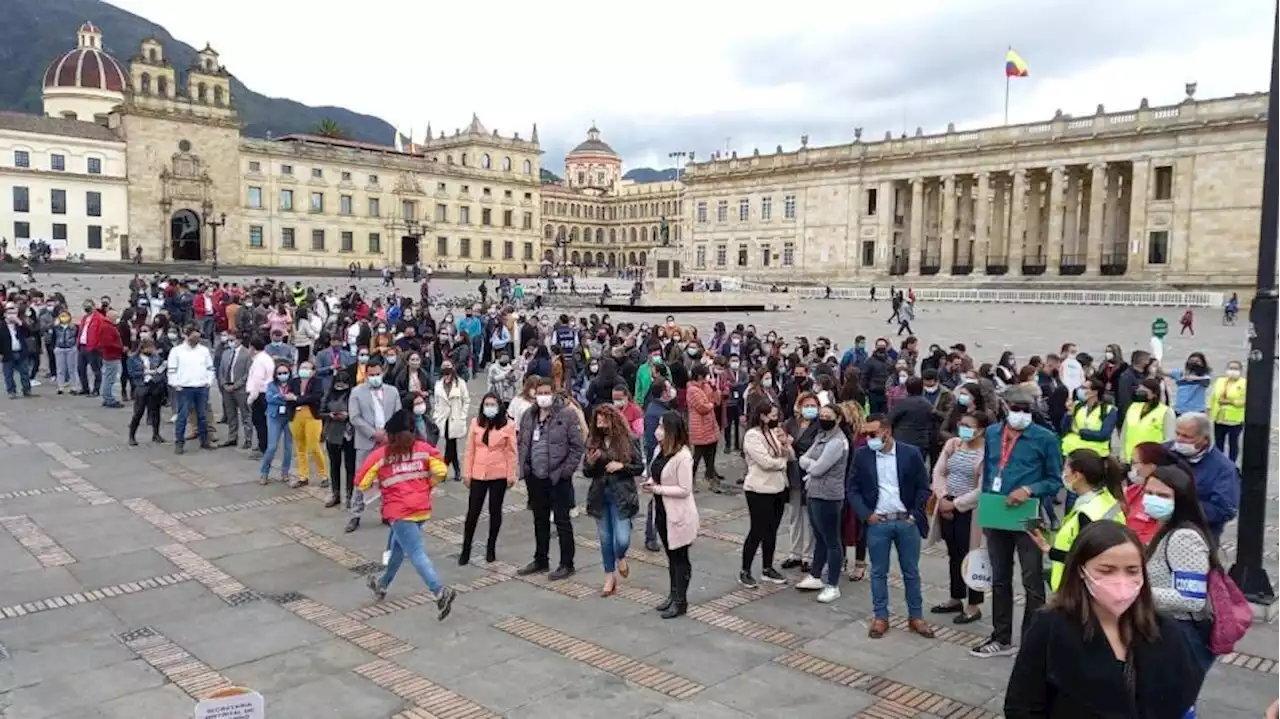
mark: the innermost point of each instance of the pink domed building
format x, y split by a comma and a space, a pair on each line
84, 83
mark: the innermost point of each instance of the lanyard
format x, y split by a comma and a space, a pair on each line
1008, 439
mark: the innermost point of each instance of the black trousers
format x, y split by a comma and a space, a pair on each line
955, 533
707, 452
85, 361
341, 456
147, 400
679, 568
495, 490
259, 411
451, 455
1002, 546
732, 423
545, 499
765, 512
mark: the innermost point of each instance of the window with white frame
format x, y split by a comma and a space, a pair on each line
700, 256
702, 212
744, 210
789, 207
722, 255
722, 211
766, 208
788, 254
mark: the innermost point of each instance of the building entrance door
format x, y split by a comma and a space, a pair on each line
184, 236
410, 250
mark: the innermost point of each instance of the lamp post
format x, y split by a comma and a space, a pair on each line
1248, 571
214, 225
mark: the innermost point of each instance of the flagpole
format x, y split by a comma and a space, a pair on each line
1006, 98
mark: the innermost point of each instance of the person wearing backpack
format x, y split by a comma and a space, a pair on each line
1180, 558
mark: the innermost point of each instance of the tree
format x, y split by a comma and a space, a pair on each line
328, 127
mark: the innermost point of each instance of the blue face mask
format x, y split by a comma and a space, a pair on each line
1156, 507
809, 412
966, 433
875, 444
963, 400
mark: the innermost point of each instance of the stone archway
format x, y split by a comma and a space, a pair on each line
184, 236
613, 260
644, 257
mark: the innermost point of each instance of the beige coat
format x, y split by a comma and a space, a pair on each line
964, 502
766, 472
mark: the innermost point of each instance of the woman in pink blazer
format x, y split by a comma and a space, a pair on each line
676, 513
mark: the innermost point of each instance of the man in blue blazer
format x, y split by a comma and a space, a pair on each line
332, 359
887, 488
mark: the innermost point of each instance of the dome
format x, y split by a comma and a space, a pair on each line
87, 66
593, 145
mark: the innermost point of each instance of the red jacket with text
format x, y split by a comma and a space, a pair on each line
405, 482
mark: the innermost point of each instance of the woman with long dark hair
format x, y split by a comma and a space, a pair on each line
767, 449
676, 513
1098, 484
1180, 557
957, 484
1100, 648
488, 470
405, 469
612, 463
339, 438
801, 430
1147, 458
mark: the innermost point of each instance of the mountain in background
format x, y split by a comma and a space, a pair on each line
35, 32
549, 176
648, 174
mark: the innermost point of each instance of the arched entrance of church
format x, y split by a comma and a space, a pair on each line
184, 236
410, 250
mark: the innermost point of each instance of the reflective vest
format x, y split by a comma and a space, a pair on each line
1139, 428
1090, 420
299, 295
1226, 388
1098, 506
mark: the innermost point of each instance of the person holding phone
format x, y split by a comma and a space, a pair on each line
1098, 484
670, 481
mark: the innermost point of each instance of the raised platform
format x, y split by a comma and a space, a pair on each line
672, 302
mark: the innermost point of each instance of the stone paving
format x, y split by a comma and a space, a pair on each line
137, 581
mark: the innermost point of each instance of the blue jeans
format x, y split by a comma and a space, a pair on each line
16, 364
406, 538
905, 535
188, 398
824, 515
614, 533
277, 433
110, 378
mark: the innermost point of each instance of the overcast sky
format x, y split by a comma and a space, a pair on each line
696, 74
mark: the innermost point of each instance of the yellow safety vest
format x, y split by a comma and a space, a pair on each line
1090, 420
1233, 390
1139, 428
299, 295
1099, 506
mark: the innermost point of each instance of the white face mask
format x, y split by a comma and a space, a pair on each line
419, 409
1019, 420
544, 400
902, 377
1233, 373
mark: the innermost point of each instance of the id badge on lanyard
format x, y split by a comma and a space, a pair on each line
1006, 451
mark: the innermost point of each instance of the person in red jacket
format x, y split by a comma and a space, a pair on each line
111, 347
88, 341
405, 469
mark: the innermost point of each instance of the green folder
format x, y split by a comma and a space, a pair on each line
993, 513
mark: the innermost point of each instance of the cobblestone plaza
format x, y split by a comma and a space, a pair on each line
137, 581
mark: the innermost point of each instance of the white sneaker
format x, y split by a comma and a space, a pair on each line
173, 418
36, 383
829, 595
810, 584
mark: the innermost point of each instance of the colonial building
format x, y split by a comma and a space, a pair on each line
594, 218
153, 158
1155, 195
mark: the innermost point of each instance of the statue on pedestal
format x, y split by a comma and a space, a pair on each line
664, 230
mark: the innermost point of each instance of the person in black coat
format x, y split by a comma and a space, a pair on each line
1099, 650
613, 461
912, 419
16, 343
875, 377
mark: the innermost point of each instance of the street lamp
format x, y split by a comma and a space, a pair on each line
1248, 572
214, 225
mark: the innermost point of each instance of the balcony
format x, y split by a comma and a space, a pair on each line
997, 265
930, 264
962, 268
1034, 265
900, 263
1071, 265
1114, 263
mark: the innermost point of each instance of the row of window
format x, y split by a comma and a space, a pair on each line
633, 211
408, 209
58, 231
744, 209
486, 162
201, 94
347, 240
57, 162
346, 176
767, 256
551, 233
57, 201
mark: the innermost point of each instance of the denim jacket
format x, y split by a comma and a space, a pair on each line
64, 336
136, 364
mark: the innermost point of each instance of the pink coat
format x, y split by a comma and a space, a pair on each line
703, 427
675, 486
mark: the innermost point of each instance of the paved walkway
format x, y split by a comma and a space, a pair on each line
136, 581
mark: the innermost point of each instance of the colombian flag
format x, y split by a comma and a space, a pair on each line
1014, 65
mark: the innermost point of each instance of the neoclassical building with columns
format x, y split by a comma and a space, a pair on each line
1156, 195
594, 218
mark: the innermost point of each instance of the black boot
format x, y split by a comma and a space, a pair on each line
666, 603
464, 557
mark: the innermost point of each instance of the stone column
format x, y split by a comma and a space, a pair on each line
1097, 197
1056, 209
1071, 214
884, 232
1112, 231
964, 234
1018, 225
915, 243
981, 221
1033, 246
1138, 193
947, 235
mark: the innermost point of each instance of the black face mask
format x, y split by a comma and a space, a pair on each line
771, 424
827, 424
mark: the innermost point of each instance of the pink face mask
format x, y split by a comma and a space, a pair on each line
1115, 593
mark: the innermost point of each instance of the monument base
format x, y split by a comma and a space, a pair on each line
673, 302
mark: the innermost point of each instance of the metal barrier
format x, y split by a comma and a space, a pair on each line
997, 296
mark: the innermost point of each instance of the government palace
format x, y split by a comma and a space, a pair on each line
146, 157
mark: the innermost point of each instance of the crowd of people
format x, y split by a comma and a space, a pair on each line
885, 448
